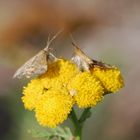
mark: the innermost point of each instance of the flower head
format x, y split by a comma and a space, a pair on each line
53, 107
111, 78
53, 94
59, 73
48, 94
87, 89
32, 93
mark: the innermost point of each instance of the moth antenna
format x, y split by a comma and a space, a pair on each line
55, 58
78, 51
73, 42
49, 41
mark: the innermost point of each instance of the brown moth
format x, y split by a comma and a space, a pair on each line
84, 62
38, 64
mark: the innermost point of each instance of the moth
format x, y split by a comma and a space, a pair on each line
84, 62
38, 64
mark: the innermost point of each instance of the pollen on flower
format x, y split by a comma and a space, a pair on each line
53, 107
32, 93
111, 78
67, 70
88, 89
59, 73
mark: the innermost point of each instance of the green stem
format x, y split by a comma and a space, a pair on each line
86, 114
74, 118
78, 123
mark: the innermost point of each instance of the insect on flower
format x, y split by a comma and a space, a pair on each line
84, 62
38, 64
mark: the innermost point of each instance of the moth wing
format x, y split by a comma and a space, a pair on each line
82, 65
84, 62
81, 59
101, 64
35, 66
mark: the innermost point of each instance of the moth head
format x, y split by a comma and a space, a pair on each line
81, 59
50, 40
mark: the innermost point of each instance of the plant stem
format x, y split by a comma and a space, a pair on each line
78, 123
86, 114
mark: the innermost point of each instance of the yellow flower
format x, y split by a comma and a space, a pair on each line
59, 73
86, 89
53, 94
48, 94
32, 94
111, 78
53, 107
67, 70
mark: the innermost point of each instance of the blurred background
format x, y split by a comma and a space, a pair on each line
106, 30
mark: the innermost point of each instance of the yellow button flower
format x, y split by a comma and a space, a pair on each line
32, 93
48, 94
53, 107
59, 72
86, 89
53, 94
67, 70
111, 78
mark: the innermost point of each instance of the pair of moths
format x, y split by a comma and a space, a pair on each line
38, 64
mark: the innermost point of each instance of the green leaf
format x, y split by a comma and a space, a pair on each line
59, 132
40, 133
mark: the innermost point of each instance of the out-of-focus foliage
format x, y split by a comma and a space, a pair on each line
105, 30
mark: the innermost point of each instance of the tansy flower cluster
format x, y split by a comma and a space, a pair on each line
52, 95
